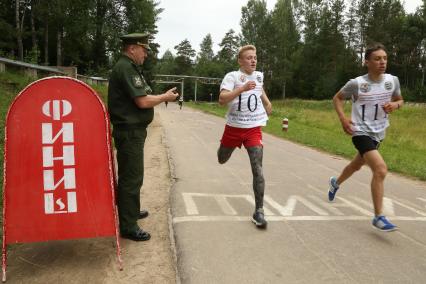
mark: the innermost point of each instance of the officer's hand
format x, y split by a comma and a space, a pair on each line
171, 95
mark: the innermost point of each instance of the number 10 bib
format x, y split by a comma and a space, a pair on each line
246, 110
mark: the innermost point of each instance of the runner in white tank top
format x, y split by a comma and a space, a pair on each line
374, 96
248, 108
368, 98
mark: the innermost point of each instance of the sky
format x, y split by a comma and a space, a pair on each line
194, 19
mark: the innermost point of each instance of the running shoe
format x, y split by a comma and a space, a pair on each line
333, 188
381, 223
259, 219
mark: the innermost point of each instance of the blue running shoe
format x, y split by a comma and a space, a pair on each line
333, 188
381, 223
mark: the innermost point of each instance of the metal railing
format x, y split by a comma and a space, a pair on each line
34, 70
180, 79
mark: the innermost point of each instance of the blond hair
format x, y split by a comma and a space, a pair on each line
245, 48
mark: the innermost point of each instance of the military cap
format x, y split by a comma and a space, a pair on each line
136, 38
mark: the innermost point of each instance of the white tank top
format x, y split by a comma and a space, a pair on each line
367, 110
246, 110
368, 98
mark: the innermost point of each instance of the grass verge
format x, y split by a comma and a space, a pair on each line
315, 123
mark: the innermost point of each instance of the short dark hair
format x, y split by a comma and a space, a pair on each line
372, 48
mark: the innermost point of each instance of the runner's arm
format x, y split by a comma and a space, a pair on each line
396, 103
397, 100
227, 96
266, 103
338, 101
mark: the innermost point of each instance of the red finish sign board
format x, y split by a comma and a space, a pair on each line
58, 166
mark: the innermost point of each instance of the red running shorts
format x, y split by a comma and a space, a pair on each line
235, 137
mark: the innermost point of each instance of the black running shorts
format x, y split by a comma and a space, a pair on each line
364, 144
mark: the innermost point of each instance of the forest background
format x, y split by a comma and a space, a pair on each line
306, 48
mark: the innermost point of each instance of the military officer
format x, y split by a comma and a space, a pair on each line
131, 108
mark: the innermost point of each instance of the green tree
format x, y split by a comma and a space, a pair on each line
100, 58
21, 9
207, 66
59, 15
166, 65
42, 20
412, 55
184, 63
284, 47
422, 46
327, 59
227, 55
77, 39
184, 57
351, 26
385, 21
141, 16
363, 13
74, 32
206, 49
7, 30
256, 29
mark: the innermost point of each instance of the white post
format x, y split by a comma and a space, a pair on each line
195, 91
181, 88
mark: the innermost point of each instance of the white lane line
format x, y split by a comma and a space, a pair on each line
250, 199
225, 205
288, 209
316, 189
388, 208
362, 201
411, 239
183, 219
331, 206
422, 213
221, 200
355, 207
422, 199
361, 183
347, 203
191, 207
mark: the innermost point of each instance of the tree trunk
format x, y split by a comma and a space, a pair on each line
59, 47
99, 52
284, 90
423, 56
19, 32
33, 30
46, 44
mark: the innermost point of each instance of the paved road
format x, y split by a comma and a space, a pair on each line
308, 240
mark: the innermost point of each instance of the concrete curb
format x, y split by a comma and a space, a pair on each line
172, 185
